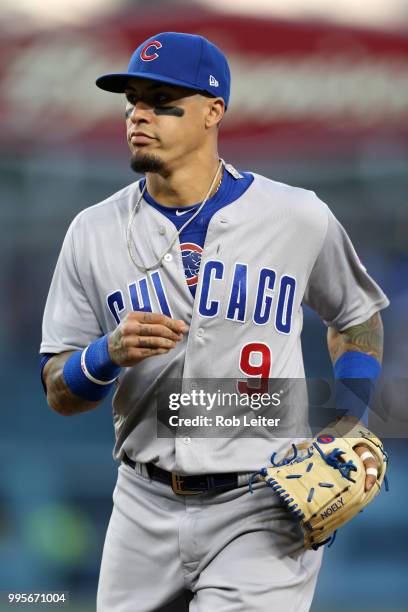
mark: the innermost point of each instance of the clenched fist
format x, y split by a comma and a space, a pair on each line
143, 334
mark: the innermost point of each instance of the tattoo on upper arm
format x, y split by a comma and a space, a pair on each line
365, 338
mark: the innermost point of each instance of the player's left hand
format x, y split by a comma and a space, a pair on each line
370, 464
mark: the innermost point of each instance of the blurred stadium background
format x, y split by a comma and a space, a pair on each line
320, 100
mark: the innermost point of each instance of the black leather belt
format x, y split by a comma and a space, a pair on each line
188, 485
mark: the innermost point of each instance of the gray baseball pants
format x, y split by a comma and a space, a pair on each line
234, 551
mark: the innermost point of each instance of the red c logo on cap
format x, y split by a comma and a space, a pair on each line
148, 58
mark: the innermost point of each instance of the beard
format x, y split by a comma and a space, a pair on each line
141, 163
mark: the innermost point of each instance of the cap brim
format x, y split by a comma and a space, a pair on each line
117, 82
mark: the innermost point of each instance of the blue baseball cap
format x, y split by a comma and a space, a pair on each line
187, 60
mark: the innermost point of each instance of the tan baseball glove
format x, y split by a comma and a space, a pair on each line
323, 484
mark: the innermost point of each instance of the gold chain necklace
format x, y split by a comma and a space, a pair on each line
135, 209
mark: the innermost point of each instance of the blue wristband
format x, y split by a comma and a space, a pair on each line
355, 374
90, 374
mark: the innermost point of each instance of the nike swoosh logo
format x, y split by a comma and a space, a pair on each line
182, 212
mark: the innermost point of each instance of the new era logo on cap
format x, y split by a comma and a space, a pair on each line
213, 81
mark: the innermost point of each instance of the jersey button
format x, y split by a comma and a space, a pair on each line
186, 440
200, 332
168, 257
162, 230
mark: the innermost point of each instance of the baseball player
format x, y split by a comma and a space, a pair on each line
198, 271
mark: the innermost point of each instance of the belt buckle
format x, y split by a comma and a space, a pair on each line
176, 484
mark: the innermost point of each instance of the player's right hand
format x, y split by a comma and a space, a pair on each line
143, 334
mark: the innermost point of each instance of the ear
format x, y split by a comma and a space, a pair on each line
215, 112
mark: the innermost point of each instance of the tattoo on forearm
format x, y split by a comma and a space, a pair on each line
366, 338
59, 394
